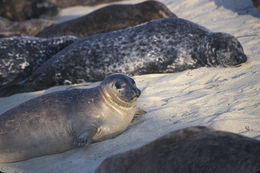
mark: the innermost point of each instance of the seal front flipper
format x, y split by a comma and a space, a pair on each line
138, 113
85, 137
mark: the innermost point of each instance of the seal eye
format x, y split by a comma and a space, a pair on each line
118, 85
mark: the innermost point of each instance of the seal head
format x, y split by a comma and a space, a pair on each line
226, 49
120, 89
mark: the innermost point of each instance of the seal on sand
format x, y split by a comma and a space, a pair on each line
117, 16
31, 27
21, 10
194, 149
69, 3
21, 55
60, 121
164, 45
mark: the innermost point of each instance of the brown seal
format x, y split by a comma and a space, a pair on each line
256, 4
31, 27
60, 121
194, 149
109, 18
69, 3
21, 10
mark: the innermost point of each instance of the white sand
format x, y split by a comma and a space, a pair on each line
223, 98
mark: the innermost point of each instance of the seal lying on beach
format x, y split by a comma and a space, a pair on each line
31, 27
161, 46
69, 3
21, 10
194, 149
21, 55
117, 16
63, 120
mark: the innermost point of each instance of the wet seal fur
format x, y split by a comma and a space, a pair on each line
194, 149
161, 46
60, 121
117, 16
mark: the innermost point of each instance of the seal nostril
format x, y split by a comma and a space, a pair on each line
244, 58
241, 58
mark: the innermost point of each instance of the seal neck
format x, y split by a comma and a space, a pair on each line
114, 100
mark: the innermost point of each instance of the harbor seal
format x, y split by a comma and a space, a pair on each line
21, 55
117, 16
256, 3
70, 3
194, 149
63, 120
31, 27
164, 45
21, 10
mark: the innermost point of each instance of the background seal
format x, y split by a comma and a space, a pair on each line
164, 45
193, 149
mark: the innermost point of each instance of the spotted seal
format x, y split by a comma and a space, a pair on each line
60, 121
21, 55
164, 45
117, 16
194, 149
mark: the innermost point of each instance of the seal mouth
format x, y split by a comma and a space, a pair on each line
236, 60
137, 92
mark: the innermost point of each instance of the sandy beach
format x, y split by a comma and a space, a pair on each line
222, 98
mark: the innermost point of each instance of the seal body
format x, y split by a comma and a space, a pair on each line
193, 149
116, 16
21, 55
161, 46
60, 121
30, 27
21, 10
69, 3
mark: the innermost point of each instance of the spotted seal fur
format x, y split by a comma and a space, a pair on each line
161, 46
21, 55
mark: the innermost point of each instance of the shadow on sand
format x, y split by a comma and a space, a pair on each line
241, 7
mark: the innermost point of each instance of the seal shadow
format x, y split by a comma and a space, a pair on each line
245, 7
